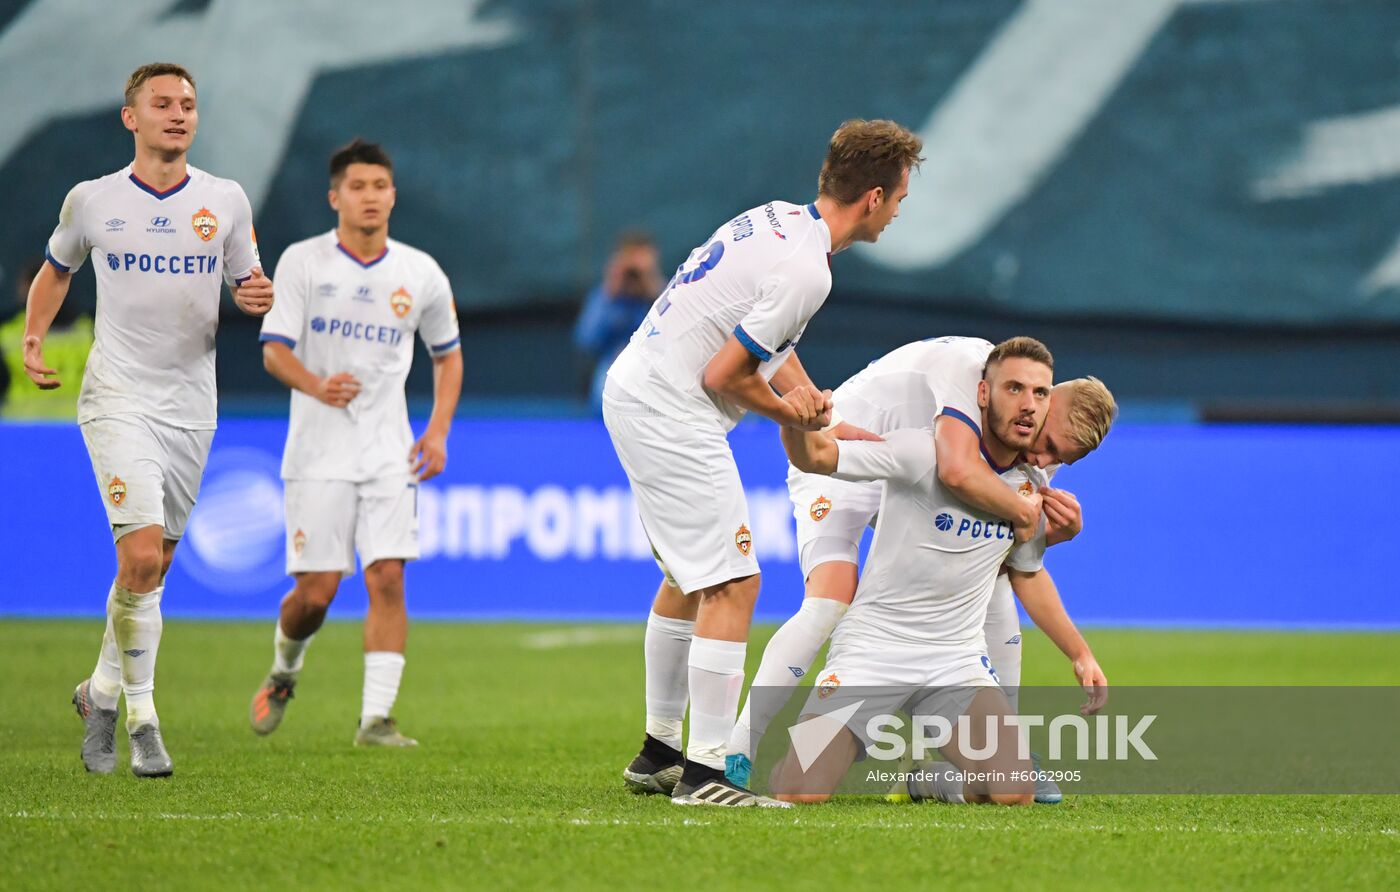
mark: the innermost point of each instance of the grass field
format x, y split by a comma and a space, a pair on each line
525, 729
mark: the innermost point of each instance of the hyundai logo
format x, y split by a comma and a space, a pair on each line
160, 222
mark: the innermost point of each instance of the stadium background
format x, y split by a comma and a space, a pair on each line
1196, 201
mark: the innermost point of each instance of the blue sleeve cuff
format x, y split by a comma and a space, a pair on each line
954, 413
445, 347
751, 345
56, 265
280, 339
242, 280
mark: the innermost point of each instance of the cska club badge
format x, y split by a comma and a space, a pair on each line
820, 508
401, 301
1026, 489
116, 491
743, 540
828, 686
205, 223
299, 542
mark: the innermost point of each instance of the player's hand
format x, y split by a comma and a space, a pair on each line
38, 371
1094, 683
429, 454
254, 296
811, 406
338, 390
1063, 515
1024, 527
846, 431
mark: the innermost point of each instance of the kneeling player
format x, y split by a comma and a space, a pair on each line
343, 342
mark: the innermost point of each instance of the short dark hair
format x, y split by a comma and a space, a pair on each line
866, 154
154, 69
634, 238
358, 152
1019, 347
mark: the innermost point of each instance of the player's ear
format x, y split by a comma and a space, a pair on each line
984, 393
334, 200
129, 118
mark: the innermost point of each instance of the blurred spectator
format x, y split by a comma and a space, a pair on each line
617, 305
65, 350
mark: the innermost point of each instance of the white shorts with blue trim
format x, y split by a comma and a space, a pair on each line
147, 472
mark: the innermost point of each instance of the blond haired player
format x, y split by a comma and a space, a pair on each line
163, 237
341, 338
716, 344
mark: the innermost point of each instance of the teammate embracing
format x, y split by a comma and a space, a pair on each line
717, 343
341, 338
162, 236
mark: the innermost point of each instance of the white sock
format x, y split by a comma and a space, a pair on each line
287, 652
383, 671
667, 651
947, 783
1003, 632
136, 624
787, 658
106, 684
716, 679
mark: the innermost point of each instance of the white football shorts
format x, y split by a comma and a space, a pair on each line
688, 492
887, 679
147, 472
329, 521
832, 516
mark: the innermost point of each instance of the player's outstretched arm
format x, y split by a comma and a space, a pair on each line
962, 469
337, 390
429, 453
733, 374
1040, 597
46, 294
813, 452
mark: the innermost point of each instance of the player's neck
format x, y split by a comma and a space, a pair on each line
841, 220
158, 171
366, 245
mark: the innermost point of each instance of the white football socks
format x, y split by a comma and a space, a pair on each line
383, 671
287, 653
667, 652
106, 684
716, 680
136, 624
786, 660
1003, 631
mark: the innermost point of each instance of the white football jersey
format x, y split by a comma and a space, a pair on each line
911, 385
759, 277
161, 259
934, 559
341, 313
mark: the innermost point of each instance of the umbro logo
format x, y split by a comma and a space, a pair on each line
115, 224
134, 652
797, 671
1014, 639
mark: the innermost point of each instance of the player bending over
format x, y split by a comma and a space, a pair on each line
716, 344
342, 339
162, 236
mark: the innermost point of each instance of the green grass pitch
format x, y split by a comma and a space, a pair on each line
524, 731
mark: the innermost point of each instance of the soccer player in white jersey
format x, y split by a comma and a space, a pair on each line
341, 337
913, 638
907, 388
163, 236
718, 343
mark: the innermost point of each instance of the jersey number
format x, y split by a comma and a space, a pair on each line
708, 261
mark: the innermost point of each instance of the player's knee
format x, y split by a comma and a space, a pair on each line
317, 590
142, 564
1012, 797
384, 580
